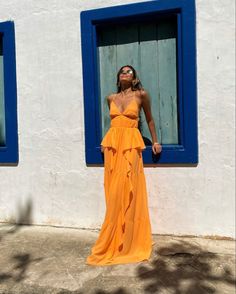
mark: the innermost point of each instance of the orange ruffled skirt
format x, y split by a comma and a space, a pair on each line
125, 235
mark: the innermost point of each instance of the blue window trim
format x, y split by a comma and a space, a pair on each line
9, 152
187, 151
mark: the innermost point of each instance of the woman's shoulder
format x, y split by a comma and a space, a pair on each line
142, 93
110, 97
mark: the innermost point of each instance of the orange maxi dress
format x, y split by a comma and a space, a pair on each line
125, 235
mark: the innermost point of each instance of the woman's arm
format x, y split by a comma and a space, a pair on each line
146, 104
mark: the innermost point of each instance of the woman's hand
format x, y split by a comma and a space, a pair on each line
156, 148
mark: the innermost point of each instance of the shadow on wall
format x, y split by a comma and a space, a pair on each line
24, 217
25, 213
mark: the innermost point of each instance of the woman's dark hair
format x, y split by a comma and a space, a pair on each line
136, 85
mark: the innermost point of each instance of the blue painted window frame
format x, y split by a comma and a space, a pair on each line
187, 150
9, 152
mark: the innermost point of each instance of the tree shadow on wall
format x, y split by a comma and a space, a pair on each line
24, 218
185, 268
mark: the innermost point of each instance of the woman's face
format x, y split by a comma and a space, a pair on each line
126, 74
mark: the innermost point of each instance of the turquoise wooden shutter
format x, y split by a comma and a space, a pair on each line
150, 47
2, 110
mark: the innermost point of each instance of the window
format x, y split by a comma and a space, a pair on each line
150, 46
2, 107
8, 121
158, 39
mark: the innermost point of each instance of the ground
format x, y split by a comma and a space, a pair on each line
40, 259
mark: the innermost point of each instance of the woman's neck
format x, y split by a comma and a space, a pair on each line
126, 89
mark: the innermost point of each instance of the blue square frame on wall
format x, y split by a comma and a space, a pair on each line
9, 149
186, 152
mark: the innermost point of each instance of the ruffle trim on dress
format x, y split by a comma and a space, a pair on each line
126, 141
130, 138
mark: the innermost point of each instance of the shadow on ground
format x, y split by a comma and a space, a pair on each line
182, 268
118, 291
18, 272
21, 261
185, 268
178, 267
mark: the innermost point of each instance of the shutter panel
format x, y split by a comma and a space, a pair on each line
150, 47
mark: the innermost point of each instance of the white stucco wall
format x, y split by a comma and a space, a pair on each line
52, 185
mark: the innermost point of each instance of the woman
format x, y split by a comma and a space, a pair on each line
125, 236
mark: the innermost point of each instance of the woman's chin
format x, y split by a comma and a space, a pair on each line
125, 81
